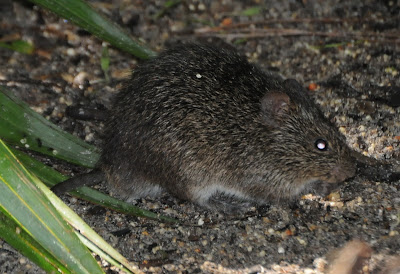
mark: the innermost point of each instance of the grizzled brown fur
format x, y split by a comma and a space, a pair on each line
204, 124
207, 126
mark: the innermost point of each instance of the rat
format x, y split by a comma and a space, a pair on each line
202, 123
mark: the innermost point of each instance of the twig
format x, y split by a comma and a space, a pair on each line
332, 20
259, 33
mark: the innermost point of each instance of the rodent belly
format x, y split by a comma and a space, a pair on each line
202, 194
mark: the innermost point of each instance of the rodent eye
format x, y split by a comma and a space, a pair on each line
321, 144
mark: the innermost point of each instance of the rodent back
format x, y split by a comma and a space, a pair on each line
192, 92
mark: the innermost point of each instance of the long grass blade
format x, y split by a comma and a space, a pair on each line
83, 15
51, 177
22, 198
21, 126
75, 221
13, 234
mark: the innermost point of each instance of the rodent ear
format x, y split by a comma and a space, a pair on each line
274, 107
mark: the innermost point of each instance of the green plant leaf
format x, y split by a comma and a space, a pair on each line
107, 255
19, 45
91, 238
172, 3
96, 197
51, 177
22, 198
251, 11
240, 41
167, 6
18, 238
83, 15
21, 126
86, 233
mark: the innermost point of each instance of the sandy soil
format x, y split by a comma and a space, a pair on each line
344, 52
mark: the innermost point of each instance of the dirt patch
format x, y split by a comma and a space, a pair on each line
345, 52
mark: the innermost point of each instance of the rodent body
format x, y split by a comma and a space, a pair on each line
207, 126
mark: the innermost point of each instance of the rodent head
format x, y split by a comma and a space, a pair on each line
310, 149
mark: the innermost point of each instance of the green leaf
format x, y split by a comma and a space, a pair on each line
18, 238
240, 41
251, 11
172, 3
332, 45
51, 177
83, 15
21, 126
167, 6
102, 199
106, 253
19, 45
22, 198
85, 231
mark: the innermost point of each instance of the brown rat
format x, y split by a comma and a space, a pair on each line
207, 126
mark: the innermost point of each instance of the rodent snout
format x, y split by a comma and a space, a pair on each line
342, 172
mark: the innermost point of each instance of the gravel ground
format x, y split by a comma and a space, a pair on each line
350, 63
